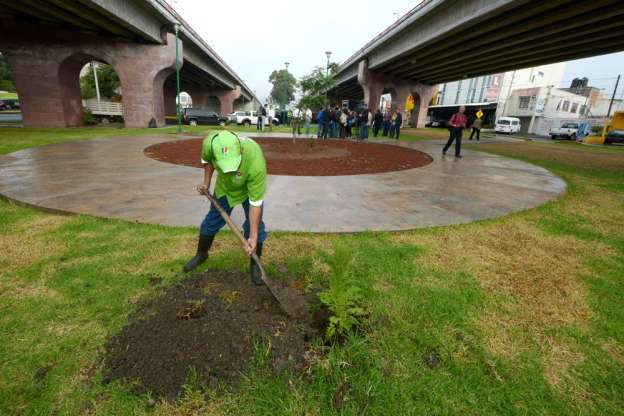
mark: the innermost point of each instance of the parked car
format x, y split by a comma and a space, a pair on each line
4, 106
247, 118
437, 123
507, 125
614, 136
196, 116
567, 130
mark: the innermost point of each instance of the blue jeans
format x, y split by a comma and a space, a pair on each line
397, 130
364, 131
214, 222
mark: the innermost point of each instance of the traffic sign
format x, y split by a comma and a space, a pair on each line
479, 114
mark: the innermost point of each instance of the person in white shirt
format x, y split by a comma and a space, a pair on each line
296, 122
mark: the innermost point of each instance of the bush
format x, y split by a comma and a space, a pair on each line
7, 85
343, 298
596, 129
88, 118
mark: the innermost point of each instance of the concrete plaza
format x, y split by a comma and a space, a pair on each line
112, 178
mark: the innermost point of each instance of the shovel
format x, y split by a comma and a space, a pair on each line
288, 299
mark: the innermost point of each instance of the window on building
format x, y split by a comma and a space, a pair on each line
559, 105
574, 107
484, 81
459, 85
524, 103
583, 110
565, 106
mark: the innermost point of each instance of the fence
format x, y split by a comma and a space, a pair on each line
103, 108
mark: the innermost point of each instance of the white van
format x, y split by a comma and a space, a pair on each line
507, 125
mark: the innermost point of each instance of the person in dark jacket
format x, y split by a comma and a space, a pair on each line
327, 116
319, 121
377, 121
398, 122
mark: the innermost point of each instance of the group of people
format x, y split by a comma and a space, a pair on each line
345, 123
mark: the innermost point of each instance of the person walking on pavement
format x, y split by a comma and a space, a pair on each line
476, 128
377, 121
458, 123
241, 179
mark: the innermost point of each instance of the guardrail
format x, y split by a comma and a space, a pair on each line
103, 108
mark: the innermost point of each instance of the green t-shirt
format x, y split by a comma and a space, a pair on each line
250, 179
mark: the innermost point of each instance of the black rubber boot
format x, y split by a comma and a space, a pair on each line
203, 245
254, 270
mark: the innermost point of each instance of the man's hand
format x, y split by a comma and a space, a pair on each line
203, 189
252, 242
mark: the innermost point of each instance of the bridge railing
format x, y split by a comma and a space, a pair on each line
103, 108
403, 18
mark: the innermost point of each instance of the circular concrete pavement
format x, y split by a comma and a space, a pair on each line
112, 178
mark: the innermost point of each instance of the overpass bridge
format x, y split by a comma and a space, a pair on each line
447, 40
48, 42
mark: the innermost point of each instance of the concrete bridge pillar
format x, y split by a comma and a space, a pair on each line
227, 98
46, 68
374, 84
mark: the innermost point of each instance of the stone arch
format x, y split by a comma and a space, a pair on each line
388, 99
240, 103
69, 83
213, 103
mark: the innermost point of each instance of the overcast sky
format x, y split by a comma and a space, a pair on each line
256, 37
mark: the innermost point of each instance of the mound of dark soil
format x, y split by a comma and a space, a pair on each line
307, 157
207, 323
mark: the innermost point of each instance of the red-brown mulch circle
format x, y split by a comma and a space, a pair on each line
306, 157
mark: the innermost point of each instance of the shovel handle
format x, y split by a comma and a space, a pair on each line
234, 228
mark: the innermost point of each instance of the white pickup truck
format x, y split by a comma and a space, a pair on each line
567, 130
247, 118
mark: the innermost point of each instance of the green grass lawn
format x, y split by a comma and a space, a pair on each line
7, 95
524, 312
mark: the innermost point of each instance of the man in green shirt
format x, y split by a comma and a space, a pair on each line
241, 179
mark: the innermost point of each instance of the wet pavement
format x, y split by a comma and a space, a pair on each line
112, 178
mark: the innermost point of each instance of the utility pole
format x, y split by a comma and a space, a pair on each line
97, 86
604, 128
176, 27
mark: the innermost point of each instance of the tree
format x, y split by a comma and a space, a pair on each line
284, 84
108, 81
6, 78
315, 85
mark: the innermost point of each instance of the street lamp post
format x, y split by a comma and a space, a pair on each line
176, 27
328, 53
286, 84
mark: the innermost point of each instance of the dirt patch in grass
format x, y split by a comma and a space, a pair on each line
307, 157
208, 324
